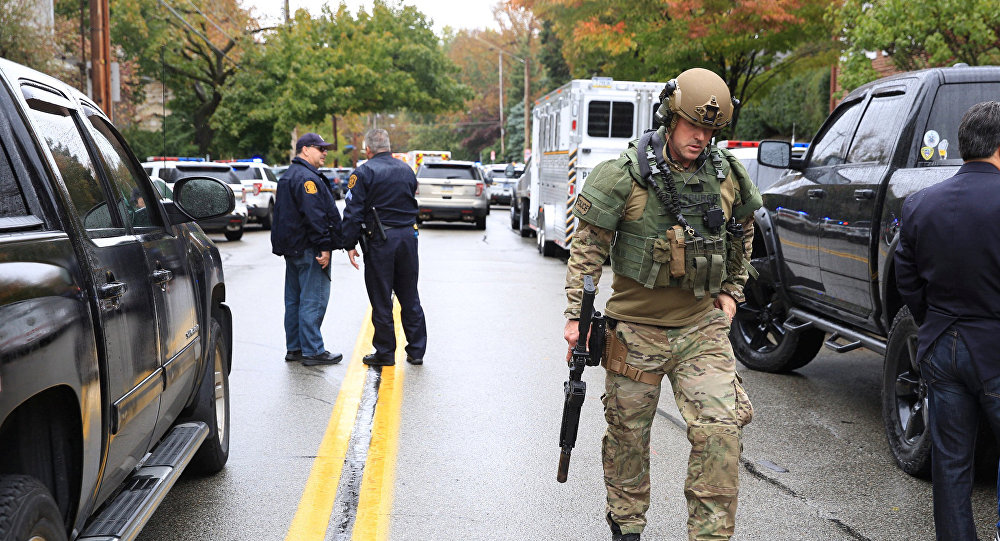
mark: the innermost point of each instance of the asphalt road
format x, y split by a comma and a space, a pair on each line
468, 448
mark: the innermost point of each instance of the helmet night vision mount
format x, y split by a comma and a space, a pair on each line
698, 96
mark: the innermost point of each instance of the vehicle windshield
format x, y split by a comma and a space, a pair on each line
225, 175
461, 172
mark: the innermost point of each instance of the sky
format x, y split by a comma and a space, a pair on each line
472, 14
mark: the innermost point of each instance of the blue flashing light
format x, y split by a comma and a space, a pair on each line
800, 145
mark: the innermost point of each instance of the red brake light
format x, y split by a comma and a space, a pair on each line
479, 189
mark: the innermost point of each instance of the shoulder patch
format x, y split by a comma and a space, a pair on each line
310, 187
352, 181
582, 204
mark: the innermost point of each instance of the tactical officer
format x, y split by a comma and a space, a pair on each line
676, 216
382, 206
306, 228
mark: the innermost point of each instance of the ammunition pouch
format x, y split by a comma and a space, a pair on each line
615, 355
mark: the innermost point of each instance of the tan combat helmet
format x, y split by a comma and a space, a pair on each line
699, 96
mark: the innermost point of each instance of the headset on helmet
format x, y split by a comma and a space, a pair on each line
700, 97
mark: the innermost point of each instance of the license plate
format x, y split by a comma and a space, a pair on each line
446, 190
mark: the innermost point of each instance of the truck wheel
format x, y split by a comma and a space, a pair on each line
235, 235
524, 224
904, 399
759, 339
28, 511
545, 247
515, 217
266, 221
213, 407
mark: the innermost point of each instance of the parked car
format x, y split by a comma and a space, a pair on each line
278, 170
503, 179
115, 339
334, 181
259, 188
452, 191
171, 170
345, 175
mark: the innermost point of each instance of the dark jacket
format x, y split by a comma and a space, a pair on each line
948, 262
383, 183
305, 214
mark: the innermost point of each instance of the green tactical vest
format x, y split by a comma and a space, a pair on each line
640, 250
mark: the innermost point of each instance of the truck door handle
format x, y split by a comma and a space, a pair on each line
816, 194
864, 194
112, 291
162, 276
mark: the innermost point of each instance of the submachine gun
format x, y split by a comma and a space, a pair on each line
588, 352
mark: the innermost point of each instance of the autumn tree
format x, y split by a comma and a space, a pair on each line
749, 44
917, 34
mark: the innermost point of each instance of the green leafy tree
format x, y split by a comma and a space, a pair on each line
916, 33
386, 60
551, 57
23, 39
795, 107
193, 47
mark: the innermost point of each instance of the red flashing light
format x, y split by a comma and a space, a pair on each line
574, 126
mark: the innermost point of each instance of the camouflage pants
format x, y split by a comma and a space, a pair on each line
699, 362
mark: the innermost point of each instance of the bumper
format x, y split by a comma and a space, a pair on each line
231, 222
451, 214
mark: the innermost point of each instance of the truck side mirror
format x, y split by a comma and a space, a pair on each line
203, 197
774, 153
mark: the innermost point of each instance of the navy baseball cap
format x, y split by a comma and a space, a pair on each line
311, 140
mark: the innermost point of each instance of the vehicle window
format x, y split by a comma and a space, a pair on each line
829, 148
461, 172
247, 173
65, 142
148, 170
950, 104
225, 175
12, 203
877, 133
270, 176
610, 119
132, 194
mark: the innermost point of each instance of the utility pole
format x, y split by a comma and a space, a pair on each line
500, 65
100, 55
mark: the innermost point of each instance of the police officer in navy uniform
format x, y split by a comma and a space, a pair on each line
305, 230
388, 186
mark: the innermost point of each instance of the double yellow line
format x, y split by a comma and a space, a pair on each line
375, 503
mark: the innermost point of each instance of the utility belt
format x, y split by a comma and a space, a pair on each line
615, 355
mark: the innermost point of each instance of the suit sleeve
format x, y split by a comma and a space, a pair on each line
912, 288
354, 212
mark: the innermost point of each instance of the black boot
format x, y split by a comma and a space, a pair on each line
616, 532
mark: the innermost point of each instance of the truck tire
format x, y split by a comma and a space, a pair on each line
524, 222
235, 235
266, 221
515, 216
760, 341
28, 511
904, 399
213, 407
545, 247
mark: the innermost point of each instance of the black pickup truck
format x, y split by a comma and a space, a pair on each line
114, 338
825, 238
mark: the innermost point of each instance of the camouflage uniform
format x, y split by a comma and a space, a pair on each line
692, 349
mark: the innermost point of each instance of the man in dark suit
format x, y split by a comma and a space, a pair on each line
387, 186
947, 269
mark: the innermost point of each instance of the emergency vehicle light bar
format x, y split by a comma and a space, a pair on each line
172, 159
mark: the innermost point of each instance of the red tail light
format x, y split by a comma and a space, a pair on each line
417, 191
479, 188
256, 188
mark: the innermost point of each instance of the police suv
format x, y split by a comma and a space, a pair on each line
172, 169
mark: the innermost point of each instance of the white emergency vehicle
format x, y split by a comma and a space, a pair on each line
575, 127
